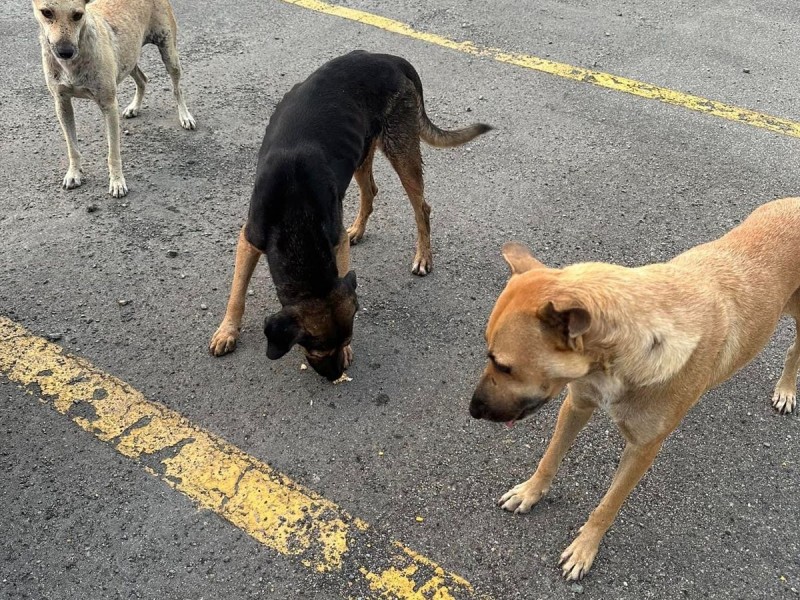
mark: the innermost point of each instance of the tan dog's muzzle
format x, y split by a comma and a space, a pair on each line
493, 404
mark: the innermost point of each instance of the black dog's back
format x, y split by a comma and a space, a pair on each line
339, 109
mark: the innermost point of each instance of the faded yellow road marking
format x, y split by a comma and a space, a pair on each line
598, 78
264, 503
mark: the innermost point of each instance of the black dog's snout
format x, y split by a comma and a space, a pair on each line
331, 367
65, 51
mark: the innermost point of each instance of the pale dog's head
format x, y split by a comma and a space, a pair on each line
62, 22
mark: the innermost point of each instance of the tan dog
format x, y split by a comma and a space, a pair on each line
643, 344
88, 48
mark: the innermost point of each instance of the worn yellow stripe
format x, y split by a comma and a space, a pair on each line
598, 78
264, 503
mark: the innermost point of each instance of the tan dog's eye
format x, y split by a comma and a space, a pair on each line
77, 16
47, 13
499, 366
503, 368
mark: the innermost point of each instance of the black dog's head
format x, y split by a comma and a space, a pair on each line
322, 326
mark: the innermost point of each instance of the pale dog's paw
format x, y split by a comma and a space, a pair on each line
117, 187
131, 112
784, 401
187, 120
521, 498
72, 179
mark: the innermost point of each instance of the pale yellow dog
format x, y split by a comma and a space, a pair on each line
88, 48
643, 344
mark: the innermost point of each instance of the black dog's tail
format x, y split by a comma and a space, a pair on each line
430, 133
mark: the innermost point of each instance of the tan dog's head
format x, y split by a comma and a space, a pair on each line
535, 339
62, 22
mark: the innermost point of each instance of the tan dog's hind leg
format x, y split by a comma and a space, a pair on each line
577, 559
785, 396
169, 54
571, 419
224, 339
136, 105
66, 116
367, 190
116, 181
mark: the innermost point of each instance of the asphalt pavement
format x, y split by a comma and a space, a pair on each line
577, 172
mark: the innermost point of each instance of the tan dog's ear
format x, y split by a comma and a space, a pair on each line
519, 258
570, 320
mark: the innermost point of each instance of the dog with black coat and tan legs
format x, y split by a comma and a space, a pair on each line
88, 48
323, 133
643, 344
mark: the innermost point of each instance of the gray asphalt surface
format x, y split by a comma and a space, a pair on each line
577, 172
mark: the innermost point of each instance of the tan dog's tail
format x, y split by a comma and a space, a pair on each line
430, 133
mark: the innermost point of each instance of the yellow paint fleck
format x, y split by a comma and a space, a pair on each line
597, 78
217, 476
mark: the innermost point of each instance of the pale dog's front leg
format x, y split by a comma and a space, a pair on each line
116, 181
66, 116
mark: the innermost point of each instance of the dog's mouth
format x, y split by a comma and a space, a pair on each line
530, 407
330, 364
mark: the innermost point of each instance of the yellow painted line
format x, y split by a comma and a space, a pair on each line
598, 78
267, 505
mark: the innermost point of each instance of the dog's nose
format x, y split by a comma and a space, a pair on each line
65, 51
476, 407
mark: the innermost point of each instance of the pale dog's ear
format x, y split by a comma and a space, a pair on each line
519, 258
568, 319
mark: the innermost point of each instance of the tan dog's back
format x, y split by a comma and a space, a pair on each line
755, 270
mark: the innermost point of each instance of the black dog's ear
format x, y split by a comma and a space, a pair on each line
350, 280
283, 331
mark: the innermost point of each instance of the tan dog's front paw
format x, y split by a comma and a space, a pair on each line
72, 179
348, 356
577, 559
117, 187
423, 264
521, 498
223, 340
784, 401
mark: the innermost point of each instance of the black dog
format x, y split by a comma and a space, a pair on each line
322, 134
